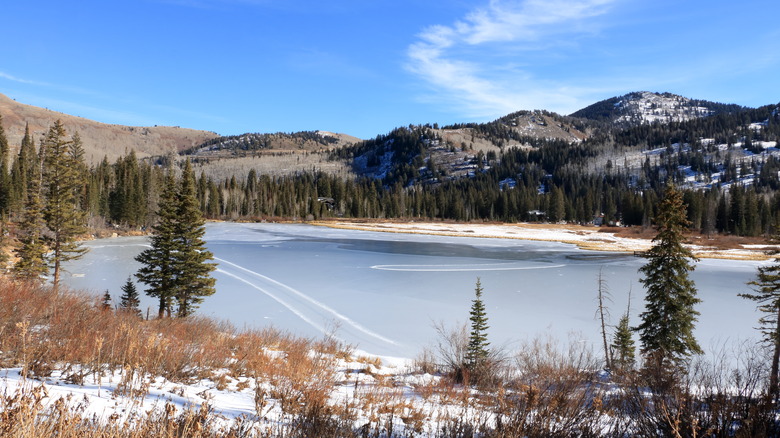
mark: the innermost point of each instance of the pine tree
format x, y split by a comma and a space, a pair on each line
32, 263
767, 295
130, 301
192, 260
160, 270
557, 211
666, 331
477, 350
105, 303
81, 177
62, 212
23, 170
177, 267
623, 350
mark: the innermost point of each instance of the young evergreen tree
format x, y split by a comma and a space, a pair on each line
477, 349
623, 349
666, 331
105, 303
193, 278
159, 268
62, 212
130, 301
767, 295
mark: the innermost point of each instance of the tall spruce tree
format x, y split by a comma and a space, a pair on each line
159, 270
176, 267
666, 331
194, 279
22, 171
477, 349
767, 295
81, 172
64, 217
32, 263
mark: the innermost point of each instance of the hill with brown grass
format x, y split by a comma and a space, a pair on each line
99, 139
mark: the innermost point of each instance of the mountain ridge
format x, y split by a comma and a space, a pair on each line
522, 129
641, 107
99, 139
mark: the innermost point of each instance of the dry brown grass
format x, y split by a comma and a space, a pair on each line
550, 389
42, 331
25, 415
99, 139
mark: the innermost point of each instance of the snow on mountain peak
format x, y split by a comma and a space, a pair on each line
648, 107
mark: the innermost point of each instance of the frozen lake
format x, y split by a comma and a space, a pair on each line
383, 292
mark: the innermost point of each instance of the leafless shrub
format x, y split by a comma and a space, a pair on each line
556, 392
425, 362
718, 397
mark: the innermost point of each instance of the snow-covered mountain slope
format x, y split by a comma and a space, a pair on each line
647, 107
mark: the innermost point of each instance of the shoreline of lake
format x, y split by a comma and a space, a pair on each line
584, 237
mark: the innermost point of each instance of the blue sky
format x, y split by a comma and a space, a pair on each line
365, 67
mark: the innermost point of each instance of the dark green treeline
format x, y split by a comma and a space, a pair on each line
549, 178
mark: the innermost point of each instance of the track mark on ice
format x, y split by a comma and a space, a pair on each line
277, 299
459, 268
311, 300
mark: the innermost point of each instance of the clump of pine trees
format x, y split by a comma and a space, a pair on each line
53, 217
176, 268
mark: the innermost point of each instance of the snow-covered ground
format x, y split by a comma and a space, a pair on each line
384, 291
590, 238
103, 397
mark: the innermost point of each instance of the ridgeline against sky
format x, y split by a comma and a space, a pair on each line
363, 68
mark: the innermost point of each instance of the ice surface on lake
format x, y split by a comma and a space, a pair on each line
383, 292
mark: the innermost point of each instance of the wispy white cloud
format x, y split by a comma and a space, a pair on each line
99, 106
477, 61
13, 78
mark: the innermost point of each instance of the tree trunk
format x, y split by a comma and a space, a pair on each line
161, 310
56, 278
773, 385
607, 356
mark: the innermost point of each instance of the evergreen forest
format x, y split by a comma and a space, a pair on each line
726, 164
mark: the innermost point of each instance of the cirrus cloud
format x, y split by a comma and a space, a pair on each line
480, 63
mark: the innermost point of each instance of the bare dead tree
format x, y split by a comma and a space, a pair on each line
602, 313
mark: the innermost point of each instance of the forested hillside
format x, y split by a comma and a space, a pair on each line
644, 107
527, 166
